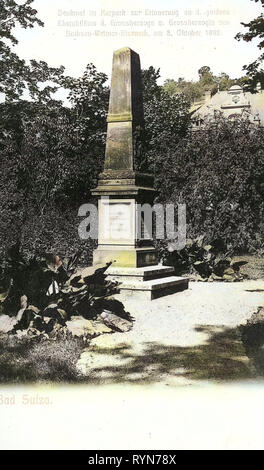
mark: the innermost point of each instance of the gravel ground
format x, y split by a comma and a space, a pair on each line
190, 338
181, 339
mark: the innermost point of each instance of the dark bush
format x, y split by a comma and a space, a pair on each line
218, 172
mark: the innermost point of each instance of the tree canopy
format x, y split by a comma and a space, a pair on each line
254, 70
16, 75
208, 82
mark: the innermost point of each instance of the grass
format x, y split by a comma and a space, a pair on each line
34, 360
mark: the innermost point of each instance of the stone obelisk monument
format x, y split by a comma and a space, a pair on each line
124, 185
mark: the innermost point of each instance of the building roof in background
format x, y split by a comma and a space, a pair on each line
231, 103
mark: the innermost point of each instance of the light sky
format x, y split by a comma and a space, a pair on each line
179, 52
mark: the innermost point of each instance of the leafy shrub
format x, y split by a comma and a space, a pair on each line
46, 280
211, 261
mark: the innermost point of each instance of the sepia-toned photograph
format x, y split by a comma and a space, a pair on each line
132, 227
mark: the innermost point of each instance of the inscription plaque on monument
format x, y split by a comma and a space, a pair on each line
116, 221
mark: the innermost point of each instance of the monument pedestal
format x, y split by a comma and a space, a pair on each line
125, 256
118, 223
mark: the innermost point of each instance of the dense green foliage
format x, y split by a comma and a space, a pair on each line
17, 76
208, 82
166, 119
211, 261
51, 156
218, 172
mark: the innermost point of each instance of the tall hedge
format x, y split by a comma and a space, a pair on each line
218, 172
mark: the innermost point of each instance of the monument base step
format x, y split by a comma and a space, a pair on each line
147, 283
140, 274
150, 290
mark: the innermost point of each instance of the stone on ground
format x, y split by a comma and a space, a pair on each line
113, 321
80, 327
7, 323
